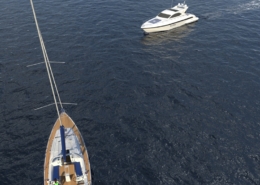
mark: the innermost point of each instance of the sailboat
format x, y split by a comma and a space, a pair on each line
66, 156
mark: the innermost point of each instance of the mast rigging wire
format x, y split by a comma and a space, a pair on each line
48, 66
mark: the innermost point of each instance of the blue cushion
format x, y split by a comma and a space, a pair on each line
78, 168
55, 174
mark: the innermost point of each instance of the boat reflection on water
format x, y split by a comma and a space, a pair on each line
175, 35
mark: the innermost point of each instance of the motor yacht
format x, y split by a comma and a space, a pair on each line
169, 19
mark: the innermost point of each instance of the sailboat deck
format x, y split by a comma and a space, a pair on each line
67, 123
70, 170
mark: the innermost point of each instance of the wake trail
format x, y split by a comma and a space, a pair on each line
235, 10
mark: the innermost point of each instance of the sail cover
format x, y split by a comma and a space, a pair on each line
63, 145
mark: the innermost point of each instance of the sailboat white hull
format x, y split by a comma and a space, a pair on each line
76, 169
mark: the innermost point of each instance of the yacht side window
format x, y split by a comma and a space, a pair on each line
175, 15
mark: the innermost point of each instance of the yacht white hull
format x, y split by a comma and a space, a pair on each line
169, 19
170, 25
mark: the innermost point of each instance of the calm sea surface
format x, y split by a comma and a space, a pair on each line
170, 108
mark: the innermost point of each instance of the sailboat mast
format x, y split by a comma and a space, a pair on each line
48, 66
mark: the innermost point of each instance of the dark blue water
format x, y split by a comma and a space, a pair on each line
178, 107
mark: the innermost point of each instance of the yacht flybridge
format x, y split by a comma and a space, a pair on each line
169, 19
66, 156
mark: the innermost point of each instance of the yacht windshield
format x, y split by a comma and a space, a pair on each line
163, 15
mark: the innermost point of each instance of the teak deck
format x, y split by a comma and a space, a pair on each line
67, 123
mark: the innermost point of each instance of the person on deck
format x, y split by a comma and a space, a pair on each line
56, 182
